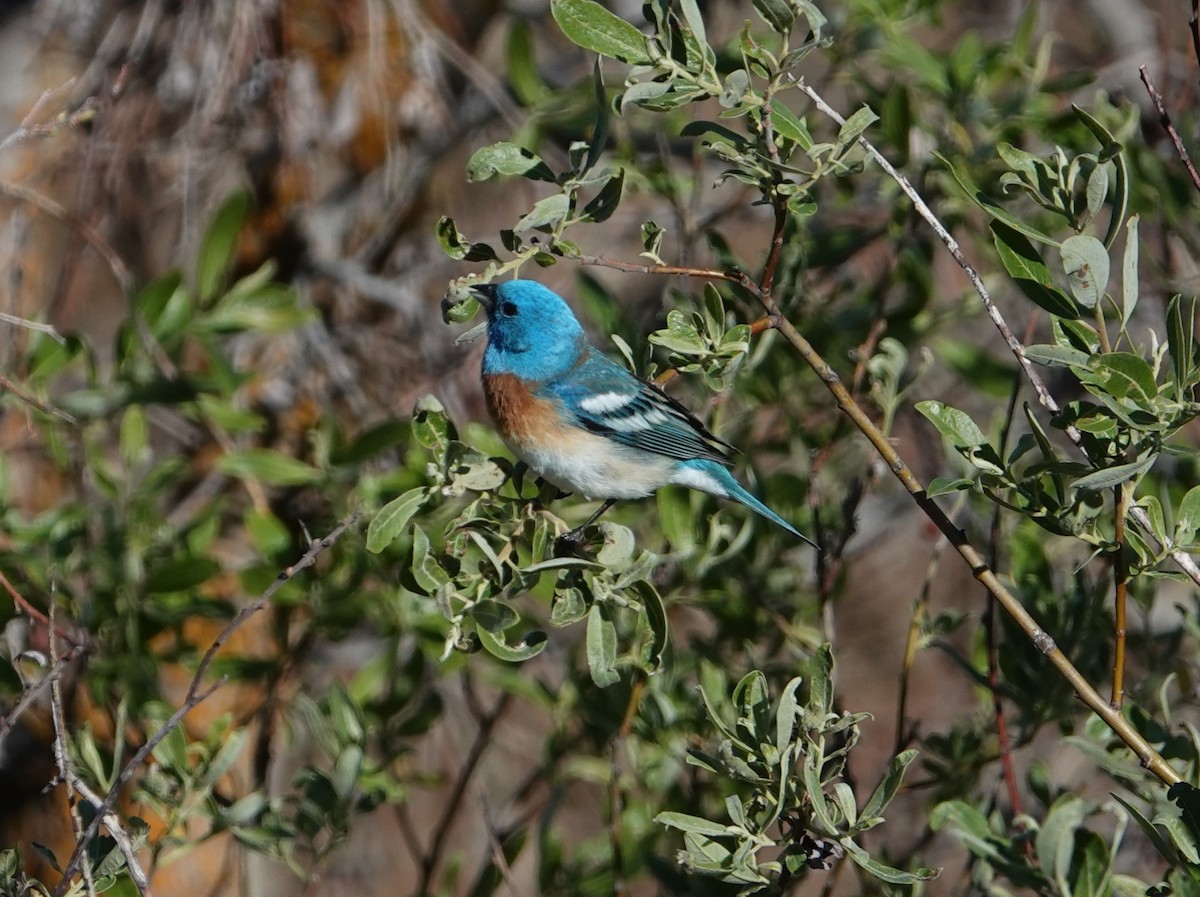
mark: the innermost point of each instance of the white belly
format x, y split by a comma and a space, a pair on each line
597, 467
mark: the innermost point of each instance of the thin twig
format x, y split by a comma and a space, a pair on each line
62, 758
616, 794
1164, 119
1120, 587
114, 827
37, 326
920, 613
643, 268
90, 235
85, 112
483, 739
1194, 24
30, 399
499, 860
29, 610
194, 694
1003, 741
1185, 561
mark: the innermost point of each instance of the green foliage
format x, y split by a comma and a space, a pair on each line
792, 759
498, 548
763, 780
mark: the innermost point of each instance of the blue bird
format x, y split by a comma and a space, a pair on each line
584, 423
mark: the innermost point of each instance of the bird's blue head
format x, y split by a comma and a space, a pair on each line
531, 331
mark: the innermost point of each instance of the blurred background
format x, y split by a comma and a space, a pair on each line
126, 126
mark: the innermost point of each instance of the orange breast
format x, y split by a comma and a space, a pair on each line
519, 414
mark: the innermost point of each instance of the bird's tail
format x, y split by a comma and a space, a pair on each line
731, 488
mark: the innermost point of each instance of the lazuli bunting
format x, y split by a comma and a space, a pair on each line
583, 422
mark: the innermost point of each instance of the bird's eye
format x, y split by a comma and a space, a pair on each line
509, 309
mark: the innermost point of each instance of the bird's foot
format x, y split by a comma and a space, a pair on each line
568, 544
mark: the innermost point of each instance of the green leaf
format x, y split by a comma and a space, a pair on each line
786, 711
545, 212
680, 335
456, 246
533, 644
676, 519
216, 249
1181, 342
1085, 261
947, 485
269, 309
426, 571
521, 64
180, 574
1187, 517
606, 201
695, 23
1055, 838
953, 424
599, 138
430, 425
888, 785
789, 125
589, 25
601, 648
652, 237
618, 546
855, 125
494, 616
269, 467
267, 532
687, 823
569, 606
392, 518
165, 305
820, 682
1115, 475
507, 159
1129, 375
656, 618
776, 13
134, 434
1024, 264
643, 93
882, 871
1129, 271
990, 206
1110, 149
1057, 356
1187, 797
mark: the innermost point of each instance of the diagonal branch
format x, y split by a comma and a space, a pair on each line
1185, 561
1124, 729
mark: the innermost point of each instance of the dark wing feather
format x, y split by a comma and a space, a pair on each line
605, 398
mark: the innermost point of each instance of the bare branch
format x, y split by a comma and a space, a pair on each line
194, 694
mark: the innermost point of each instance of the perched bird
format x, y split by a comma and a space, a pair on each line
583, 422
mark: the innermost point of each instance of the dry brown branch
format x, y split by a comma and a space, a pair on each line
1164, 119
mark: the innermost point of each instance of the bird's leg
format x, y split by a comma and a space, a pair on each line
570, 539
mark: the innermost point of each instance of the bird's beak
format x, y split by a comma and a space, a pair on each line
485, 293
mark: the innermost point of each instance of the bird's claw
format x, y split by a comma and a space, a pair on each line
568, 544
